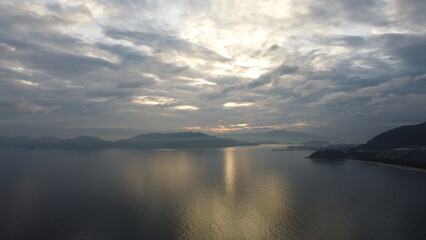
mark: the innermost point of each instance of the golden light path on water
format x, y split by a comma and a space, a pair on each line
233, 193
248, 206
229, 171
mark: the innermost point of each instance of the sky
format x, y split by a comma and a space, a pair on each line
343, 68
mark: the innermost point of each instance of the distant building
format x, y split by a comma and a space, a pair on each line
316, 145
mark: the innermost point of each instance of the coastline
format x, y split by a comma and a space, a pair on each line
389, 165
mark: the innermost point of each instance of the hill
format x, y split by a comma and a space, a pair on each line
177, 141
404, 145
405, 136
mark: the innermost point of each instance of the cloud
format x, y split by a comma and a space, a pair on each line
368, 92
233, 104
267, 78
25, 107
153, 100
312, 86
163, 42
273, 47
30, 107
109, 64
28, 83
185, 107
281, 70
409, 13
245, 127
409, 48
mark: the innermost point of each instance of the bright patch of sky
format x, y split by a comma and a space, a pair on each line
179, 64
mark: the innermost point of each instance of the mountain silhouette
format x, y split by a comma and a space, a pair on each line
181, 140
404, 136
404, 145
177, 141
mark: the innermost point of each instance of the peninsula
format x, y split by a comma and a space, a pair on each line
404, 146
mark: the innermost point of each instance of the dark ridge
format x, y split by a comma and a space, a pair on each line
404, 146
177, 141
404, 136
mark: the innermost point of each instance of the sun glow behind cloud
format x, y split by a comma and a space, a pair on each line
152, 100
185, 107
248, 127
29, 83
256, 62
235, 105
198, 81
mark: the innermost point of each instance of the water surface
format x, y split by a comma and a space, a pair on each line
232, 193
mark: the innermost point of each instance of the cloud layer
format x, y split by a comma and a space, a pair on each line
348, 68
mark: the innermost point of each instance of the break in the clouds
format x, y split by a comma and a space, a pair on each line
346, 68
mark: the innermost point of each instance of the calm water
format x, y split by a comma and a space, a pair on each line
234, 193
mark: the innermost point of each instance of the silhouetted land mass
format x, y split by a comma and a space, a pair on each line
405, 136
180, 140
328, 154
404, 146
276, 136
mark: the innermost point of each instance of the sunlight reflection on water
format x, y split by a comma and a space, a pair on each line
233, 193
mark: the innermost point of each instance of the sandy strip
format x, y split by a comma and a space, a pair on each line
390, 165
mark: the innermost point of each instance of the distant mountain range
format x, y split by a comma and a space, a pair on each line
277, 136
180, 140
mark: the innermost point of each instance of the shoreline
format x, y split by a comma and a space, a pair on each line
389, 165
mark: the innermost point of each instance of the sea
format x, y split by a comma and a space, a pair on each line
231, 193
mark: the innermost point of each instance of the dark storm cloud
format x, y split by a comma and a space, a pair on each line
164, 42
9, 74
264, 79
349, 11
33, 41
411, 12
146, 63
410, 48
281, 70
273, 47
44, 71
63, 64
